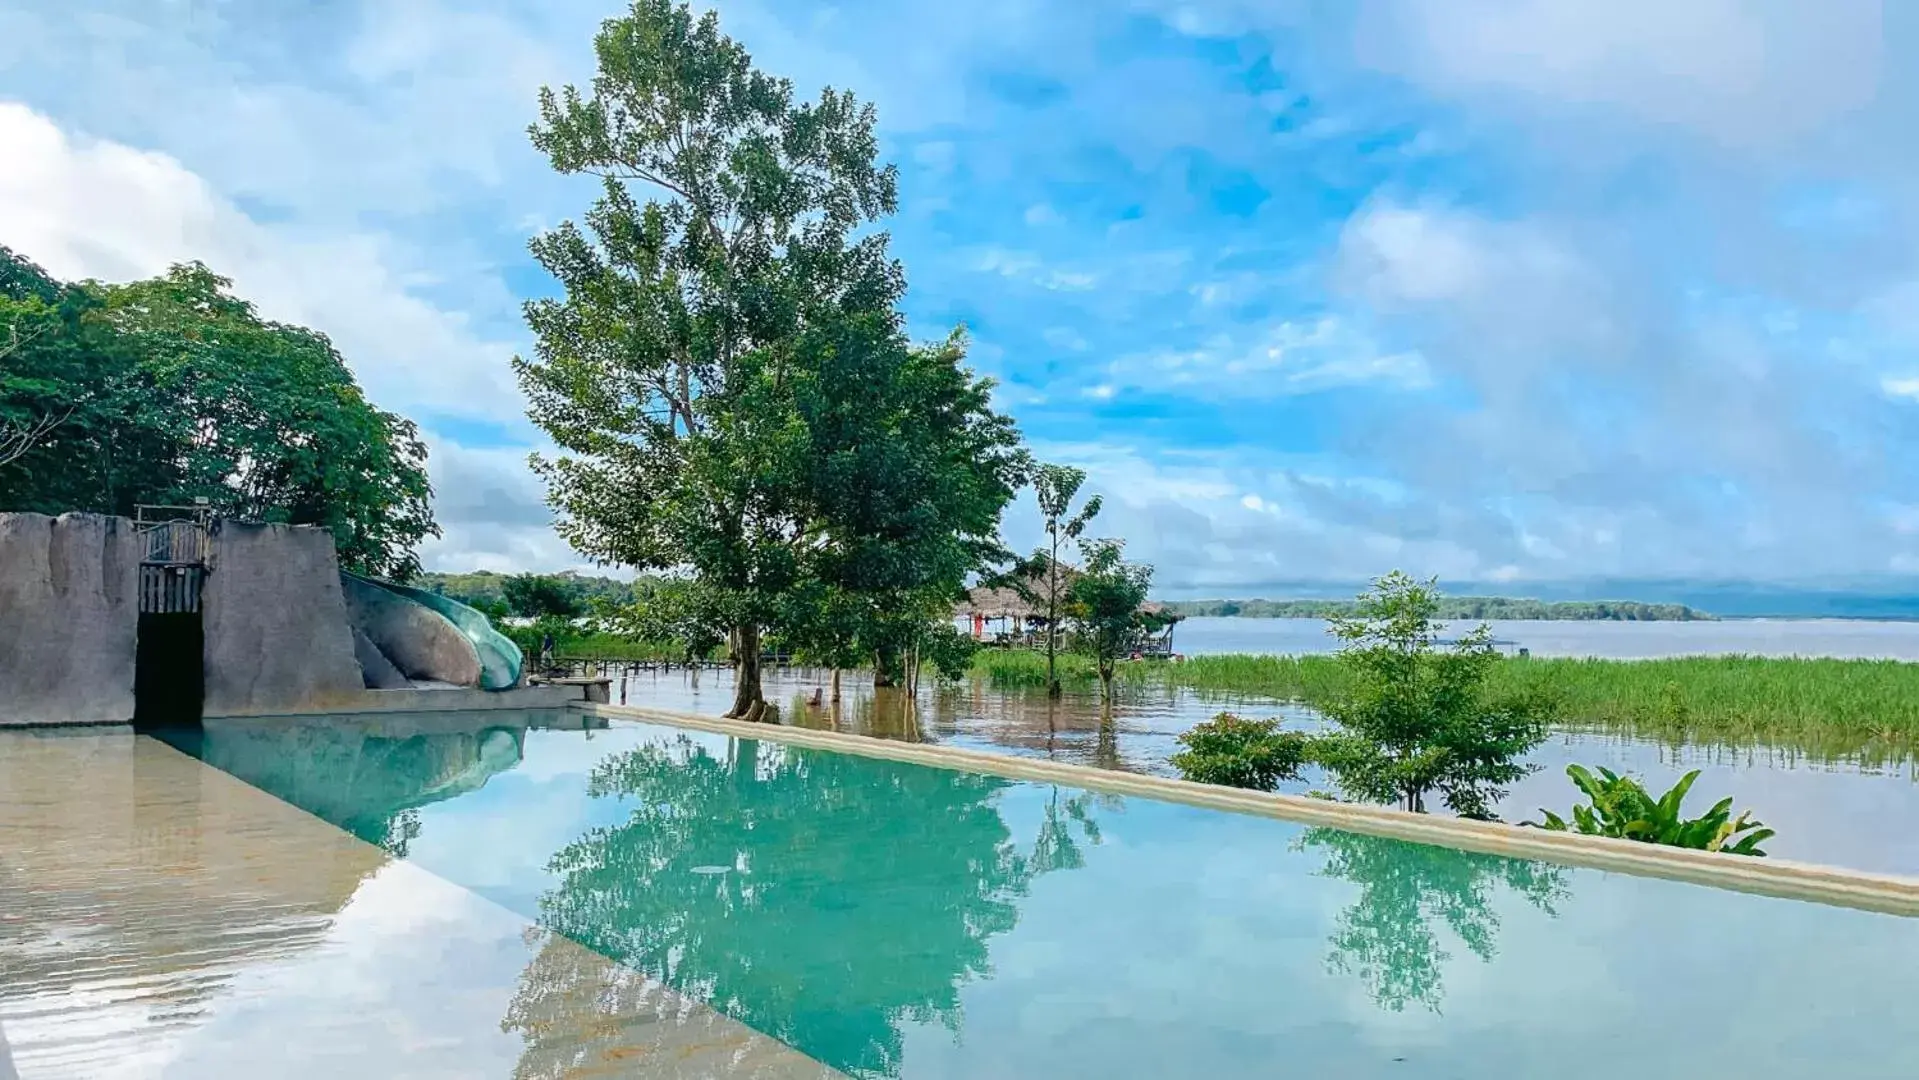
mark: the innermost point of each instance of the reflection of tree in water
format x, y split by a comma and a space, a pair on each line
1388, 938
821, 898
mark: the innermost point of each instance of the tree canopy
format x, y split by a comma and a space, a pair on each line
1104, 605
1416, 719
171, 389
726, 374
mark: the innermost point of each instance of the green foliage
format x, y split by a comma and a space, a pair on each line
484, 587
536, 596
1414, 719
1388, 937
1025, 669
727, 376
1103, 606
948, 651
1619, 806
171, 389
1040, 579
1855, 711
812, 853
1452, 608
672, 610
1241, 753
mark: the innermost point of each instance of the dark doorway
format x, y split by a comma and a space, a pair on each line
169, 674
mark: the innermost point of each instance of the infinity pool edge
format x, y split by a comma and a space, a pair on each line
1884, 893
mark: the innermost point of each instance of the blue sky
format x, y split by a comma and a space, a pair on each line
1508, 292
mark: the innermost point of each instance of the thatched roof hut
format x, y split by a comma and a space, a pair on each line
1008, 602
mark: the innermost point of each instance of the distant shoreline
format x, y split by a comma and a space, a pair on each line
1453, 608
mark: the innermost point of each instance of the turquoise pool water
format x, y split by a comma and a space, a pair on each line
895, 920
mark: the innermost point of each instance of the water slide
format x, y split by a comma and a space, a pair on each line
500, 660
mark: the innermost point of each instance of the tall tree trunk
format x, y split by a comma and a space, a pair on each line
836, 686
748, 701
1052, 618
1106, 684
885, 669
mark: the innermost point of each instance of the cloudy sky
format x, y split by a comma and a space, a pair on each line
1499, 290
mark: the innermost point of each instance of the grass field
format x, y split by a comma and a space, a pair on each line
1827, 708
595, 646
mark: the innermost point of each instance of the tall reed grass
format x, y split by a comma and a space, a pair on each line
1830, 709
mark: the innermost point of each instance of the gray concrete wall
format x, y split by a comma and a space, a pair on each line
277, 636
423, 644
69, 610
432, 701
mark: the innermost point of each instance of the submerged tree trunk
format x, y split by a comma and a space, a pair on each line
885, 669
1106, 683
748, 701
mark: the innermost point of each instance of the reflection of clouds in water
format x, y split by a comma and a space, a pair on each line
1168, 940
1816, 808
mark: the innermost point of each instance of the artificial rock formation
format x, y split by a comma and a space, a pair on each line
416, 640
69, 607
277, 637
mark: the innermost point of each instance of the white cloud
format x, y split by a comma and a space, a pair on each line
1288, 357
1745, 72
1901, 387
89, 208
1027, 267
1040, 214
1063, 337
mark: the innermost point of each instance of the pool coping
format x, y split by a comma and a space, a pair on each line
1884, 893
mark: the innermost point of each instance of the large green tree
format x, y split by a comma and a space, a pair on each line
913, 470
172, 389
726, 373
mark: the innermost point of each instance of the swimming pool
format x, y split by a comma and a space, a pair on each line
900, 920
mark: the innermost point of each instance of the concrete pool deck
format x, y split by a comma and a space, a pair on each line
159, 917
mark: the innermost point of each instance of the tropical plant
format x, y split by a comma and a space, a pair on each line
1039, 579
1414, 718
1242, 753
1620, 806
1103, 606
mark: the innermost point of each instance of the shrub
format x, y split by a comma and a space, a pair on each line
1240, 753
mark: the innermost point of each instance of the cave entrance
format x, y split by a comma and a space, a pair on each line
169, 672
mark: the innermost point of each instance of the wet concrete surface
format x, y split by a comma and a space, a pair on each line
160, 918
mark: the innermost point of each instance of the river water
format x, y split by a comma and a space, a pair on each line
1845, 814
1843, 638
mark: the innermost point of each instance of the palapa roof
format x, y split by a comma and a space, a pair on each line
1006, 602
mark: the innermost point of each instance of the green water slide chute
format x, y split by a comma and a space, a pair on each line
500, 659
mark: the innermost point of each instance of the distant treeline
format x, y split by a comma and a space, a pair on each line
488, 591
1452, 607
